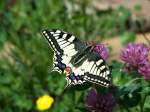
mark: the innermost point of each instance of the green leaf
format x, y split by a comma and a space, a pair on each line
145, 90
6, 78
131, 100
22, 102
147, 109
101, 90
82, 109
129, 94
78, 96
137, 7
147, 102
127, 37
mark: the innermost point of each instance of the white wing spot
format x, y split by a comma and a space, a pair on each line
69, 47
47, 37
50, 40
104, 83
101, 74
66, 59
61, 43
71, 52
92, 79
44, 32
58, 31
102, 67
59, 40
64, 36
92, 70
56, 34
90, 65
96, 80
99, 62
64, 45
71, 38
104, 75
107, 72
84, 65
99, 81
98, 72
56, 37
52, 32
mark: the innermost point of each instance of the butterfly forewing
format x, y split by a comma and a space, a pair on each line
78, 60
64, 45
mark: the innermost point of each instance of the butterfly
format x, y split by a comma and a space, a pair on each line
76, 59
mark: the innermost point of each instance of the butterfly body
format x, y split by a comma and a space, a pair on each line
76, 59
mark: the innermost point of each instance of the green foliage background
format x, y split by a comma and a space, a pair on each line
28, 76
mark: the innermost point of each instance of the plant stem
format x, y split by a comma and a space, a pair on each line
130, 82
127, 110
143, 102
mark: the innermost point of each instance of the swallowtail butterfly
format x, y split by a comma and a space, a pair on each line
78, 60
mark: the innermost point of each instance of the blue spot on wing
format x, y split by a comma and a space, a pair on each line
61, 66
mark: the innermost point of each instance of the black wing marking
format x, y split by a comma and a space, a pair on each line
65, 46
96, 70
59, 40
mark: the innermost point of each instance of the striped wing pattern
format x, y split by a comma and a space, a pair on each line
66, 47
97, 72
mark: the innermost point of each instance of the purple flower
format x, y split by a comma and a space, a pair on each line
145, 71
102, 51
99, 103
135, 54
135, 57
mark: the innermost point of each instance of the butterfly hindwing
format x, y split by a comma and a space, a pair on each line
97, 71
79, 61
94, 67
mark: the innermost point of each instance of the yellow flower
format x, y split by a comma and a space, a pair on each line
44, 102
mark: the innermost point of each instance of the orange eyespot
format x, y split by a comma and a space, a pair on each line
67, 70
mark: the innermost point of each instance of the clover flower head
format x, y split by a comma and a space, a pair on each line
145, 71
102, 51
135, 57
135, 54
99, 103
